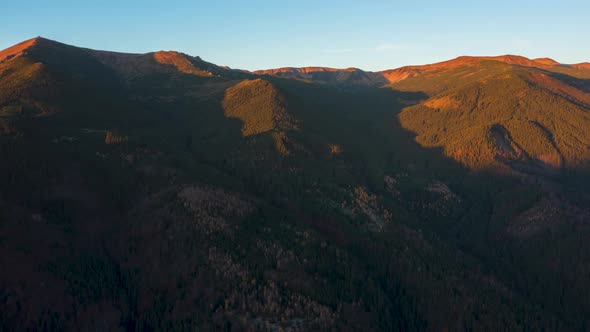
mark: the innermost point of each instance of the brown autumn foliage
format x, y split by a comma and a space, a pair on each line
114, 137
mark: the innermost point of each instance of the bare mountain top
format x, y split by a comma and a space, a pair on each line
583, 65
399, 74
17, 50
326, 75
303, 70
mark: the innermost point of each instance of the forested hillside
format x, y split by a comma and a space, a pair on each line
162, 192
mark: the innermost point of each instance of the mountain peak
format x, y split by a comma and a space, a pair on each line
522, 61
18, 49
24, 47
400, 74
583, 65
510, 59
546, 61
181, 61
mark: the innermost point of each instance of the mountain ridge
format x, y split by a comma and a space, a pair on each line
18, 49
371, 77
401, 73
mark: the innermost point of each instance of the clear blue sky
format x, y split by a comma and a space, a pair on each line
256, 34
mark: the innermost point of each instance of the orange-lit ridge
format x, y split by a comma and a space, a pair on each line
18, 49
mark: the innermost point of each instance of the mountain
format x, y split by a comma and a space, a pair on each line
355, 76
396, 75
487, 98
583, 65
327, 75
524, 116
17, 50
159, 191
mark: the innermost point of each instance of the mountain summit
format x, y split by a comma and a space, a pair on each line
17, 50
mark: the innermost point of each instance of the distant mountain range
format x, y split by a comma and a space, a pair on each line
358, 76
159, 191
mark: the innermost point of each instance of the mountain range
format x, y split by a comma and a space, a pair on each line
159, 191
